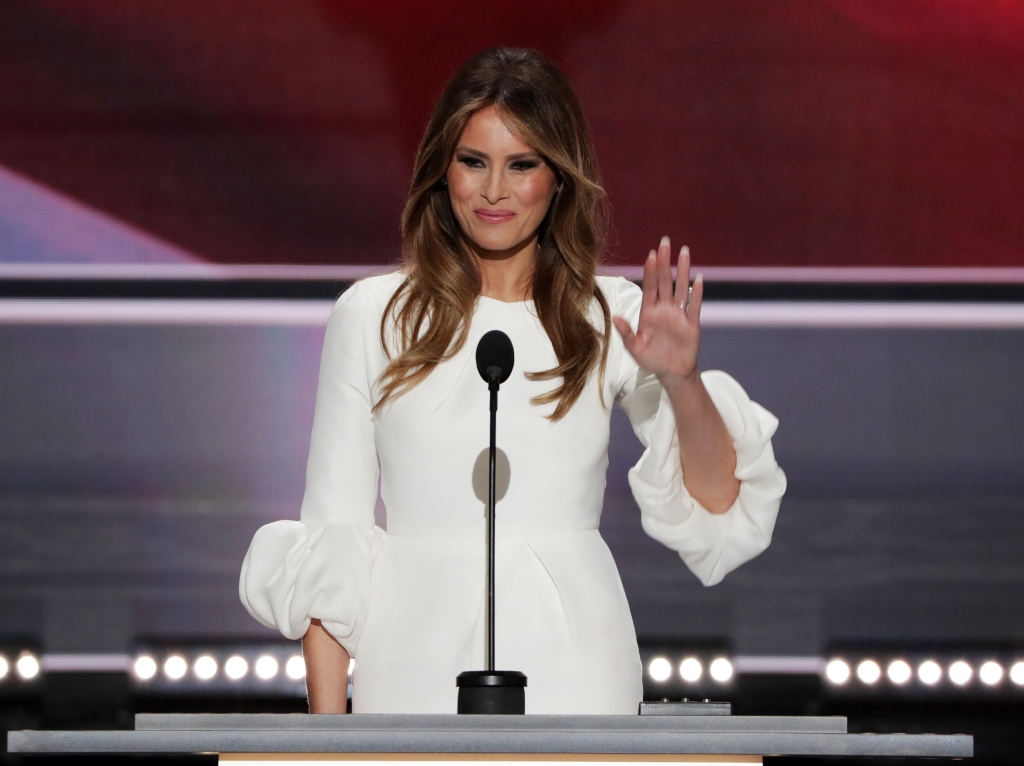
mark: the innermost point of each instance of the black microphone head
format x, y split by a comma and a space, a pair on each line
495, 351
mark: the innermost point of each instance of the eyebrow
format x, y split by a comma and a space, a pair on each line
511, 157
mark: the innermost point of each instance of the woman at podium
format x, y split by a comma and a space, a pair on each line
504, 229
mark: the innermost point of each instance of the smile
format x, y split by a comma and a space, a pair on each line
494, 216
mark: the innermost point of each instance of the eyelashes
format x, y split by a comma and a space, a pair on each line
519, 165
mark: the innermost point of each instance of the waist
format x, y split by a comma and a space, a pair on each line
477, 532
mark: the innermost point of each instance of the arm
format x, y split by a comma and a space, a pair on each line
311, 578
706, 454
668, 406
666, 343
326, 671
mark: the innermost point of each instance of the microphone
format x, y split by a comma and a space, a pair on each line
492, 691
495, 358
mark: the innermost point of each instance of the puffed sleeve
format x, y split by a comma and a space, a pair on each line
319, 567
711, 545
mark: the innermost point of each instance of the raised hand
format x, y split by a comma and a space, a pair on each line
666, 342
668, 334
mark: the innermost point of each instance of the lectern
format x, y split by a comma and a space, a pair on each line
533, 740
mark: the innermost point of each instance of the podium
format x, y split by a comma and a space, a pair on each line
453, 740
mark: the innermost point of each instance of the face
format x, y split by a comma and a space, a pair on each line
500, 188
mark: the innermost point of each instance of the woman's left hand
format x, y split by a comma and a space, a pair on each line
666, 342
667, 338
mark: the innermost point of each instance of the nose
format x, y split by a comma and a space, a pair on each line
495, 189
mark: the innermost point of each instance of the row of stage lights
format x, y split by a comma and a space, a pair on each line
690, 670
265, 669
26, 667
205, 667
915, 673
280, 669
930, 673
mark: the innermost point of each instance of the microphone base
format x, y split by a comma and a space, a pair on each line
491, 692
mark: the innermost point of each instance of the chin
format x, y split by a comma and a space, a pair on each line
495, 244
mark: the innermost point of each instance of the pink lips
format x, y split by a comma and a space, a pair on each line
494, 216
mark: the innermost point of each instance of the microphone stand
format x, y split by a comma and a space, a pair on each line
493, 376
501, 692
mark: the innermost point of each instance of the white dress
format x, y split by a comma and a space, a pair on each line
408, 604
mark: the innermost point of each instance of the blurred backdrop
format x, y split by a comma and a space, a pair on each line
827, 132
185, 186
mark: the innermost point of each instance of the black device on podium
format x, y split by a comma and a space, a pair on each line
492, 691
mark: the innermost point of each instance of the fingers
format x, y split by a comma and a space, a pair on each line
682, 275
650, 282
628, 336
696, 299
664, 270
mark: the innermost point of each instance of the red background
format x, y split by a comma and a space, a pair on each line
783, 132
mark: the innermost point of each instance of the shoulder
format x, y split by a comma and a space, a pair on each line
357, 314
369, 296
352, 336
623, 296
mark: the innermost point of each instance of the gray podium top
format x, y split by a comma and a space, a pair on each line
533, 734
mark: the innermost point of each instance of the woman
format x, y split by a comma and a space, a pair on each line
503, 229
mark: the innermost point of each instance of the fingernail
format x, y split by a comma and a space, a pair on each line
664, 241
699, 276
685, 251
652, 254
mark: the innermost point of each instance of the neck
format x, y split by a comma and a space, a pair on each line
507, 275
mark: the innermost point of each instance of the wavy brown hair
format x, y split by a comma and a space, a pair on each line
428, 317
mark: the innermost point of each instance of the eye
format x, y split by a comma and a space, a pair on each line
524, 165
471, 162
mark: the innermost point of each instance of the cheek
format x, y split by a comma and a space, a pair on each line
460, 186
536, 193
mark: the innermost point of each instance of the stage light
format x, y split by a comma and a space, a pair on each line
205, 667
868, 671
144, 667
266, 667
837, 671
960, 673
5, 667
690, 669
236, 667
929, 672
1017, 673
175, 667
660, 669
898, 672
721, 670
27, 667
295, 668
990, 673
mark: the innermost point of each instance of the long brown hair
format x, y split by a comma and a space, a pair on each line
428, 317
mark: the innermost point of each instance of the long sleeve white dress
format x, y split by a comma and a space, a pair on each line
408, 604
